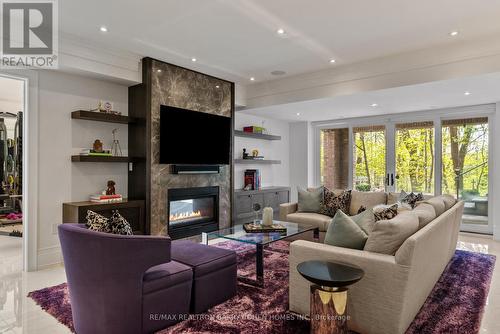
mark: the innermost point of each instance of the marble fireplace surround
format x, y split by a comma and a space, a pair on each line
176, 86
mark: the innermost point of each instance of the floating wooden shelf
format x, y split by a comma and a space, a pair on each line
256, 161
91, 158
239, 133
101, 117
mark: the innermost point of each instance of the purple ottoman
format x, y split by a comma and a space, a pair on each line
214, 272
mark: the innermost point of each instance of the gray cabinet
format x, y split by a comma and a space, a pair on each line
270, 196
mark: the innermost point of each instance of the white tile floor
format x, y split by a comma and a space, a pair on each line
19, 314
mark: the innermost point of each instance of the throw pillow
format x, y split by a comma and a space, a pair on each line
331, 202
97, 222
411, 198
345, 232
309, 201
362, 208
388, 235
119, 225
116, 224
385, 212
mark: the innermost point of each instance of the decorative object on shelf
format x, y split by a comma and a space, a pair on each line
255, 153
103, 198
247, 187
94, 153
245, 154
254, 129
267, 216
111, 188
256, 208
261, 228
97, 146
252, 179
116, 150
105, 106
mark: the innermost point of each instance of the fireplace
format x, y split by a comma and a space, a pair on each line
192, 211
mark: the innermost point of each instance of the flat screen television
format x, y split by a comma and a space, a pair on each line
194, 138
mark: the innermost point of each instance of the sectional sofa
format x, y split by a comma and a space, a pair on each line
395, 286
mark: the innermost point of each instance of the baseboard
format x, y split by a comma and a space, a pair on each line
49, 257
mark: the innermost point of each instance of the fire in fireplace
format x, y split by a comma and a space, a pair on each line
192, 211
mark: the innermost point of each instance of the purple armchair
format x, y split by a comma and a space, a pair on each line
123, 284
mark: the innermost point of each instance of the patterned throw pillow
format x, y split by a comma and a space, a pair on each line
411, 198
97, 222
116, 224
362, 208
331, 202
385, 212
119, 225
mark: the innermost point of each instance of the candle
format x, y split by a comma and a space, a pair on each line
267, 216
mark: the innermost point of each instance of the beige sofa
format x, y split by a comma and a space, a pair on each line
395, 286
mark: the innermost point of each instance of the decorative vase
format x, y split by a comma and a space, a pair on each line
267, 216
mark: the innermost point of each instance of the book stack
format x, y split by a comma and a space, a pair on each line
90, 152
252, 178
106, 198
253, 129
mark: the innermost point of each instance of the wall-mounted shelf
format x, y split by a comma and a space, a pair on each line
101, 117
91, 158
239, 133
256, 161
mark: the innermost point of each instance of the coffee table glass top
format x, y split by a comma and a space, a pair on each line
238, 233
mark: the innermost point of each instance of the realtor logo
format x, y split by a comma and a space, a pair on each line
29, 34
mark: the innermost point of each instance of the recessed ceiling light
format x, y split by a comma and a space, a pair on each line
374, 105
252, 79
103, 29
298, 114
158, 70
280, 31
217, 86
193, 59
454, 33
467, 93
278, 72
332, 61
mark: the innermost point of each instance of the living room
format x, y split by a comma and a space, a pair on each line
235, 167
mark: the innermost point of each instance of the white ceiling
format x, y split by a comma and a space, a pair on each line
439, 94
237, 39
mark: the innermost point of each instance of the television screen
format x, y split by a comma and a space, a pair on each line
192, 137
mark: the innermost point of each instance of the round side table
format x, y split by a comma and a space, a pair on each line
329, 294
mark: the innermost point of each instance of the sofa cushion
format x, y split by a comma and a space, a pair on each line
425, 213
165, 275
367, 199
449, 201
310, 218
388, 235
203, 259
438, 204
332, 202
345, 232
309, 201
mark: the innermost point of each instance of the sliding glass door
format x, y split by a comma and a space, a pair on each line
415, 157
465, 166
369, 165
433, 156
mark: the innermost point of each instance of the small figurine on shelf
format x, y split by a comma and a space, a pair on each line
245, 154
111, 188
97, 146
255, 153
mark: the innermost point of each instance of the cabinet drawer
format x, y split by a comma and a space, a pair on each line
243, 204
284, 197
271, 199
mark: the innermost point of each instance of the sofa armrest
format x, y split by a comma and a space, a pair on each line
375, 302
286, 209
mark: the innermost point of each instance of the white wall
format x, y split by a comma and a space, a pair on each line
495, 167
271, 175
301, 157
60, 180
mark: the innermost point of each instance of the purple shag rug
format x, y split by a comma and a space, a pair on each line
455, 305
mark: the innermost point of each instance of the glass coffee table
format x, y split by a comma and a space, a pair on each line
259, 239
